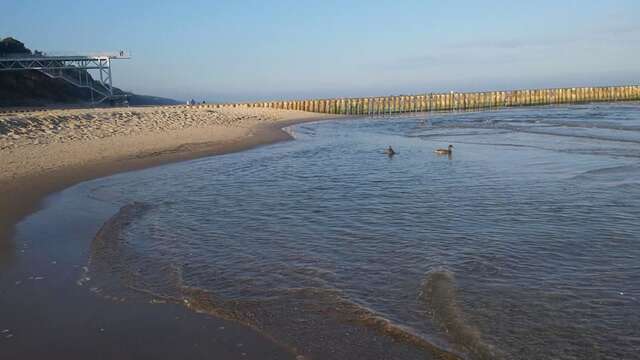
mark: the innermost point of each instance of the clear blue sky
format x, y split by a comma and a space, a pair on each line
243, 50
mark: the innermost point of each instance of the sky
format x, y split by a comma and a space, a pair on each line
251, 50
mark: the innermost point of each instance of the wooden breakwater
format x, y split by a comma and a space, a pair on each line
452, 101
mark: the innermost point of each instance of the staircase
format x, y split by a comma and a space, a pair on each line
88, 82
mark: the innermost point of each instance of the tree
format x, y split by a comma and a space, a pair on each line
10, 45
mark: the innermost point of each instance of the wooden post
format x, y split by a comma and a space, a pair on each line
561, 96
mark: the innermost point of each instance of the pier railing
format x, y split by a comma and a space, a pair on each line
451, 101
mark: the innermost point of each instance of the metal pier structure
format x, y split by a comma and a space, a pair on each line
74, 69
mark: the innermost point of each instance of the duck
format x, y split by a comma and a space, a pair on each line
447, 151
389, 151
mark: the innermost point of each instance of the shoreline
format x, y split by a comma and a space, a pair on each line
25, 195
23, 189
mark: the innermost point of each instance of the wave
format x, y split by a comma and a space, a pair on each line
324, 310
613, 170
106, 255
623, 174
294, 317
115, 268
594, 125
541, 128
576, 136
439, 295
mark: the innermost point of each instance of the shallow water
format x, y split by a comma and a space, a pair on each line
522, 244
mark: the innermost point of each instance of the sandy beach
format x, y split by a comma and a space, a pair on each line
42, 152
46, 151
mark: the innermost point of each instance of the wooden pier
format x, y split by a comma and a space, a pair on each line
452, 101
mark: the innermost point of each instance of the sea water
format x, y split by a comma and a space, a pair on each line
524, 243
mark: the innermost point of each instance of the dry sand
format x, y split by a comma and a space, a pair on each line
46, 151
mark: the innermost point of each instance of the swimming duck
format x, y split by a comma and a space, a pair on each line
390, 151
446, 151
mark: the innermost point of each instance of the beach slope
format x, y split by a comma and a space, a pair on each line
46, 151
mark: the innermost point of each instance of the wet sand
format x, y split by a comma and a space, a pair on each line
44, 152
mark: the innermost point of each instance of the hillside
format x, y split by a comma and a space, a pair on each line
32, 88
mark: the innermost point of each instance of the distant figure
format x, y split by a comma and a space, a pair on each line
390, 151
121, 53
204, 102
447, 151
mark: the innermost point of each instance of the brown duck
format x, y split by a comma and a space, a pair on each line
447, 151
